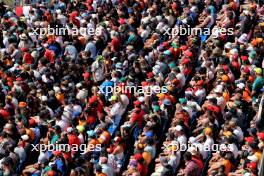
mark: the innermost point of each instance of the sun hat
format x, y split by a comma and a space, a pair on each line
258, 71
113, 98
23, 36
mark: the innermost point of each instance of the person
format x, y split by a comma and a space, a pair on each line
98, 70
191, 168
98, 171
106, 169
203, 89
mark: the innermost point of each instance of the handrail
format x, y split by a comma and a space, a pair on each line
30, 2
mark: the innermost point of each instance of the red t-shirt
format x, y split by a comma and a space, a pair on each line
90, 120
142, 169
50, 55
27, 58
138, 118
115, 43
73, 139
198, 162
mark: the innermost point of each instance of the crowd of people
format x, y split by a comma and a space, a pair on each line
197, 90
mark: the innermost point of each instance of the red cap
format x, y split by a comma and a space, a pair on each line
225, 68
74, 14
249, 139
174, 6
244, 58
19, 79
200, 83
184, 48
122, 21
86, 75
261, 135
137, 103
188, 53
23, 49
252, 165
185, 61
235, 56
211, 108
165, 44
246, 70
32, 122
144, 83
150, 75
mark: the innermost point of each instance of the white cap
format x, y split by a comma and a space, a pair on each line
192, 139
56, 89
218, 89
253, 158
82, 94
178, 128
141, 99
228, 45
69, 129
25, 137
78, 85
44, 98
241, 85
58, 11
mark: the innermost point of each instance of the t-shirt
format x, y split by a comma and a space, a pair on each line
90, 47
116, 109
191, 169
143, 170
115, 43
228, 166
138, 118
98, 69
258, 84
71, 51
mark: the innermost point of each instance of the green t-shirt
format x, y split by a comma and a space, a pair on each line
258, 84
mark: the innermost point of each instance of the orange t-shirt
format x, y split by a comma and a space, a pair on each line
228, 166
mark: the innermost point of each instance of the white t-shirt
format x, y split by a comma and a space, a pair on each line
98, 70
233, 148
116, 109
174, 160
239, 133
200, 94
209, 142
182, 139
221, 102
21, 153
181, 78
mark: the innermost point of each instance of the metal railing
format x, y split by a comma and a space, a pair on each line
31, 2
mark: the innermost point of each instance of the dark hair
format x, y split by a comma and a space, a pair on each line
187, 156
